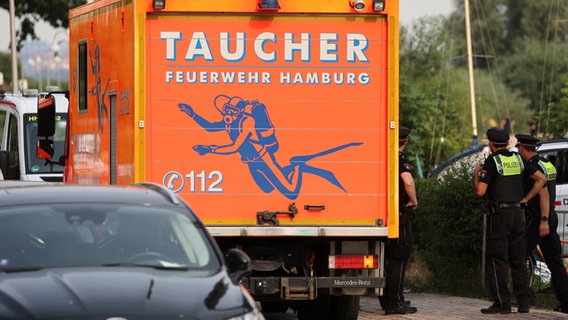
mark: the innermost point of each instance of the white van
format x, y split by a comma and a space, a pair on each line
557, 152
18, 137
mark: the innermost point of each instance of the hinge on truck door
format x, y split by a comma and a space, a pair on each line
268, 218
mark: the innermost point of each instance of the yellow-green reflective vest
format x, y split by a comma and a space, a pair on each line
509, 165
508, 183
548, 169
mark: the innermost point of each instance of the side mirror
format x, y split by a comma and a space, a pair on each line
46, 116
45, 149
238, 263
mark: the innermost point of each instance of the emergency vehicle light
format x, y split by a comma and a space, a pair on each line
378, 5
357, 4
268, 5
159, 4
353, 262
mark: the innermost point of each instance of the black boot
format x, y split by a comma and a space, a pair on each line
496, 308
400, 308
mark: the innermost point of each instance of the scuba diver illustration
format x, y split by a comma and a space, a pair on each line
253, 136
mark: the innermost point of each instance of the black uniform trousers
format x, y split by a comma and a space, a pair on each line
552, 252
505, 248
397, 254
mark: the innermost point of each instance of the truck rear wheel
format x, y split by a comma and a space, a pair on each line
345, 307
330, 308
314, 309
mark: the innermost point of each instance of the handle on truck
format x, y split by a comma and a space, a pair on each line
269, 218
310, 207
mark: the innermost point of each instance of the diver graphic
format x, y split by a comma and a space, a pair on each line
253, 136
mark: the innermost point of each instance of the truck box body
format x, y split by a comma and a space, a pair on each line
279, 127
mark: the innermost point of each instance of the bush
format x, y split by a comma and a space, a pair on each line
448, 229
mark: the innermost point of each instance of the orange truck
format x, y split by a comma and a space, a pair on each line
277, 121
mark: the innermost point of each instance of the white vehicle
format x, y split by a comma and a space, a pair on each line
557, 152
18, 137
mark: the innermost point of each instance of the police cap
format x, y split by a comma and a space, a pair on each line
403, 133
497, 136
526, 139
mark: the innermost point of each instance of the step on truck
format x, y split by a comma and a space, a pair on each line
19, 135
277, 121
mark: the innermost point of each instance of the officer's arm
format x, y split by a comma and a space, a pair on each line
480, 187
544, 199
539, 182
410, 189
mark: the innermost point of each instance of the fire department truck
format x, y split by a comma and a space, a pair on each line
277, 121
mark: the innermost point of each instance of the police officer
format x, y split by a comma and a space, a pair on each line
500, 180
542, 220
398, 250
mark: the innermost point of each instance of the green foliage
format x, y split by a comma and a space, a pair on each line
424, 100
6, 68
537, 72
29, 12
448, 227
487, 28
553, 121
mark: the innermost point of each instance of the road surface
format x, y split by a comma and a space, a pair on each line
438, 307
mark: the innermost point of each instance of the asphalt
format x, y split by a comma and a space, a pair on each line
437, 307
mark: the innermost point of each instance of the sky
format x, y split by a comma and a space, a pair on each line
409, 10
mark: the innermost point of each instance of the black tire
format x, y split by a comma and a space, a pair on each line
315, 309
330, 308
531, 265
273, 307
345, 307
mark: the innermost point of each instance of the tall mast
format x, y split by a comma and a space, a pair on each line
470, 70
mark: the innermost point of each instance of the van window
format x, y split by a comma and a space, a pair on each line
2, 128
83, 83
13, 140
34, 164
562, 167
560, 160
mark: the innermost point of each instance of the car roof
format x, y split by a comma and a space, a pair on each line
14, 193
553, 145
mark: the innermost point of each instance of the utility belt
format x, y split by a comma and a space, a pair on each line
502, 205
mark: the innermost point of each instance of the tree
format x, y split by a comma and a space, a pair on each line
29, 12
6, 68
502, 27
435, 97
553, 120
537, 72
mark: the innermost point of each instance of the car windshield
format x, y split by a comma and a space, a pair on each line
75, 235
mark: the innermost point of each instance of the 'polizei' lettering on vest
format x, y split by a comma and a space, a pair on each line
509, 165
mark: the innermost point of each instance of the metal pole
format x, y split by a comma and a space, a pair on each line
15, 81
474, 119
470, 69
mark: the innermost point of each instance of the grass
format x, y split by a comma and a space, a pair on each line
545, 297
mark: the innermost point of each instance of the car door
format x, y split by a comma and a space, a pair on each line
559, 157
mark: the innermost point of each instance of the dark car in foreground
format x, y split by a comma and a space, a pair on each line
107, 252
